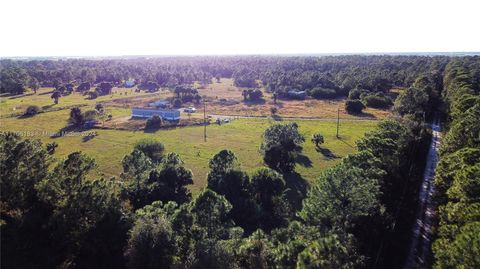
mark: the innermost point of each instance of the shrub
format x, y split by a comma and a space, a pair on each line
354, 94
377, 101
92, 94
197, 98
317, 139
55, 96
150, 86
252, 94
84, 86
273, 110
151, 148
32, 110
281, 143
99, 107
90, 115
177, 103
321, 93
104, 88
255, 94
187, 98
354, 106
154, 122
51, 147
279, 158
77, 118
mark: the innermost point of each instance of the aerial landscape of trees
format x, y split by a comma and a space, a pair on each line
59, 213
458, 172
321, 77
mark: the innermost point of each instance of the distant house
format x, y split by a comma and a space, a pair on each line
160, 103
166, 114
296, 94
130, 83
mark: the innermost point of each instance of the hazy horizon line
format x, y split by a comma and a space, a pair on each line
425, 53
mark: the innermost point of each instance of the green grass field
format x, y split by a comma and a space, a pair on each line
16, 104
242, 136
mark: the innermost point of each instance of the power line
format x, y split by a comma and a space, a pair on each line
204, 121
338, 120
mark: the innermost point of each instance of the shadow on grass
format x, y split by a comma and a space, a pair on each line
151, 130
327, 153
343, 141
26, 116
164, 125
89, 137
47, 107
66, 130
363, 115
16, 96
277, 117
45, 93
303, 160
297, 189
254, 102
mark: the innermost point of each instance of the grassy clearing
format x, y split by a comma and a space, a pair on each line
215, 92
15, 104
242, 136
223, 99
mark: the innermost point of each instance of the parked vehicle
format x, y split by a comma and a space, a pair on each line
190, 110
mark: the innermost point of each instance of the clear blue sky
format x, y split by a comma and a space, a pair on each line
153, 27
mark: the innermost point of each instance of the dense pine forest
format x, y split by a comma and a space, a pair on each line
357, 214
458, 173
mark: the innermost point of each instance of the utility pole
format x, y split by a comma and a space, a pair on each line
338, 120
204, 121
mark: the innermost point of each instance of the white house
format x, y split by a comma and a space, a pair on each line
129, 83
166, 114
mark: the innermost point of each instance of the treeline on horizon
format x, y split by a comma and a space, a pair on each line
277, 74
354, 215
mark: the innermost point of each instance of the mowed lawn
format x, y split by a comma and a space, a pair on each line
242, 136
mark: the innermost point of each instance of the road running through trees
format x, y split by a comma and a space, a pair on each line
421, 234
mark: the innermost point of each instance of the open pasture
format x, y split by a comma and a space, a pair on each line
42, 99
242, 136
224, 98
